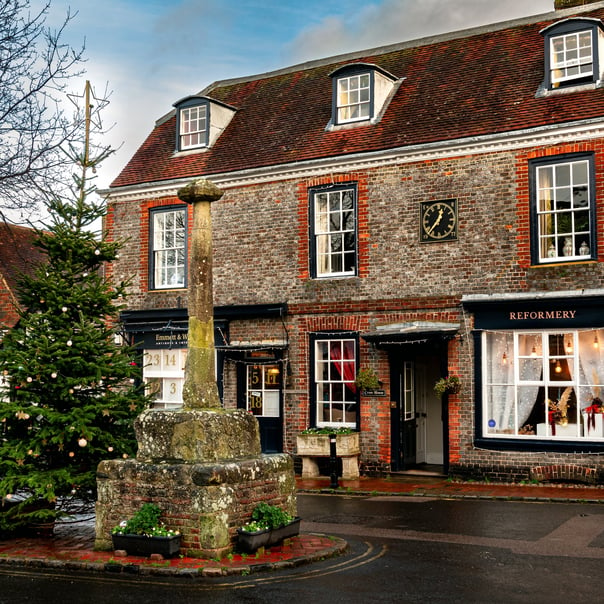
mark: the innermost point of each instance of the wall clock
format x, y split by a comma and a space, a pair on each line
438, 220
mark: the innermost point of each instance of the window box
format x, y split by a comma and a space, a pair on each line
249, 542
141, 545
317, 445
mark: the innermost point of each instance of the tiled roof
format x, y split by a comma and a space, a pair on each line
479, 82
18, 255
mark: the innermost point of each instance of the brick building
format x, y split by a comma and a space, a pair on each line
18, 256
424, 209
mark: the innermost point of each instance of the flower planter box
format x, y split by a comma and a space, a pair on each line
285, 532
317, 445
140, 545
249, 542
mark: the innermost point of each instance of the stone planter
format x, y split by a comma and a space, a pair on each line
317, 445
249, 542
140, 545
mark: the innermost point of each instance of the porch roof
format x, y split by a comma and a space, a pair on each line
416, 332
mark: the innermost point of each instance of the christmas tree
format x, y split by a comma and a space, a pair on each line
69, 391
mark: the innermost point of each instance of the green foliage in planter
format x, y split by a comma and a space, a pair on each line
450, 383
367, 379
271, 516
327, 431
145, 522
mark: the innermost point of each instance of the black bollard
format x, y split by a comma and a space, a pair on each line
333, 462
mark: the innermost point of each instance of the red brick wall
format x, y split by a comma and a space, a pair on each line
8, 311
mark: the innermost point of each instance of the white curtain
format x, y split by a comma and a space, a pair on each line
591, 365
500, 379
530, 370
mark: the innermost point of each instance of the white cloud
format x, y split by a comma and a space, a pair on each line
394, 21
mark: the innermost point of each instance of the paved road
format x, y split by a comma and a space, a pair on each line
402, 549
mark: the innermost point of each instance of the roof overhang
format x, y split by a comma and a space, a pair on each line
416, 332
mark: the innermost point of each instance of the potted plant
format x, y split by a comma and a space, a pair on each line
367, 379
450, 385
269, 526
144, 534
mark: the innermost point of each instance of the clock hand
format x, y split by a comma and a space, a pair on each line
436, 222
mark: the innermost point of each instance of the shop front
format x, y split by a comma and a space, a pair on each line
249, 372
539, 367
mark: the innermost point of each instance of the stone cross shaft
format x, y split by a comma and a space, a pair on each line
200, 390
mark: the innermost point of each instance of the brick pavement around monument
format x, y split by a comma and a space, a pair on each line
72, 545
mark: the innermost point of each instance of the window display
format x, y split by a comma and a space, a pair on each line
543, 384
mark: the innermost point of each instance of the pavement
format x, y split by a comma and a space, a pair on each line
72, 544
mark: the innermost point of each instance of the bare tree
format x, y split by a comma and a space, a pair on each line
35, 69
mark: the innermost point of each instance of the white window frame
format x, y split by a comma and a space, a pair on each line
353, 101
334, 232
334, 393
164, 376
560, 365
168, 248
571, 57
563, 199
193, 127
263, 389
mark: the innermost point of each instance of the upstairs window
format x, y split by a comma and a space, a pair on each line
571, 57
168, 248
192, 123
193, 126
562, 209
571, 53
360, 93
333, 232
354, 98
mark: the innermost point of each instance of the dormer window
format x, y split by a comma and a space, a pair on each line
199, 122
361, 92
571, 57
193, 126
572, 53
354, 98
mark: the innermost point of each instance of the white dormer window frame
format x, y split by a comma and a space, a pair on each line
572, 51
353, 98
360, 93
200, 120
193, 118
193, 126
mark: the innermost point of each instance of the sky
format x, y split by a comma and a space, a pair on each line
151, 53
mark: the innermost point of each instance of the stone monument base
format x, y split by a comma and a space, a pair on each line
205, 501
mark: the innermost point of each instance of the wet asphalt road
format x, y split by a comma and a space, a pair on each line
402, 549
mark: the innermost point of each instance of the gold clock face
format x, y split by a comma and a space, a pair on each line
438, 220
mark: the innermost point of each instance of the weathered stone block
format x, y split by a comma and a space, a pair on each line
207, 502
199, 435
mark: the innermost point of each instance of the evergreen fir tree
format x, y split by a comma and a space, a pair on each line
70, 392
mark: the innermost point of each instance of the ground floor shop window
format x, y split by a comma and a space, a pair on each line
164, 375
543, 384
263, 387
334, 374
